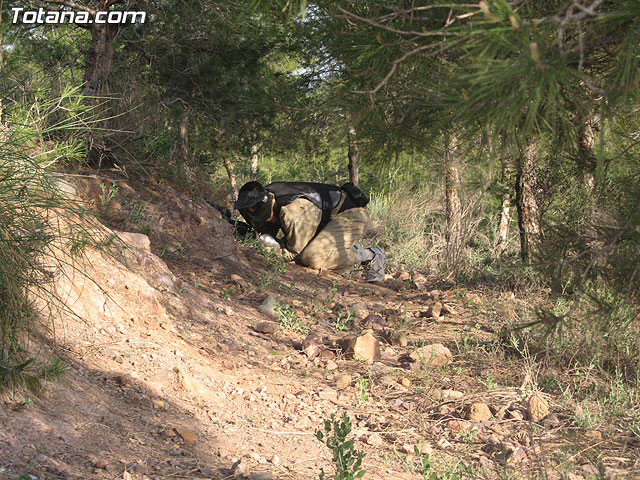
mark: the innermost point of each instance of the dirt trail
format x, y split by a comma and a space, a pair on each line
173, 372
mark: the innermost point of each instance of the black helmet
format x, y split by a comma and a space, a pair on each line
254, 204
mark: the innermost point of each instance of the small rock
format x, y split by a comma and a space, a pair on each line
40, 458
140, 469
448, 310
66, 189
187, 435
185, 380
256, 457
458, 426
424, 448
237, 279
158, 404
100, 463
405, 382
266, 327
239, 469
268, 307
343, 381
137, 240
126, 475
396, 338
360, 310
312, 345
165, 280
444, 443
435, 310
275, 460
366, 348
331, 365
394, 284
537, 408
375, 440
374, 322
403, 276
518, 456
516, 415
407, 448
261, 476
551, 420
448, 395
327, 354
434, 355
479, 412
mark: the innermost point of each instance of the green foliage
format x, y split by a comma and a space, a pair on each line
344, 321
108, 194
38, 226
289, 320
363, 394
346, 459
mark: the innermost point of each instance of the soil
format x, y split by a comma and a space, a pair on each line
169, 376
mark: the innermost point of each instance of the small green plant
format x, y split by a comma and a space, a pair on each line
228, 293
346, 459
425, 468
363, 395
489, 381
467, 437
289, 320
108, 194
344, 321
138, 212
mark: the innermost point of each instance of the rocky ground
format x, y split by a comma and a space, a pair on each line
192, 357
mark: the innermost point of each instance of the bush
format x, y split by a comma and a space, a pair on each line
36, 223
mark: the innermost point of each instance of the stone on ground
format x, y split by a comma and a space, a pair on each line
268, 307
537, 408
479, 412
312, 345
266, 327
187, 435
366, 348
434, 355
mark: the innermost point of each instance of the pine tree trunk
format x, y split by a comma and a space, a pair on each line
96, 85
232, 178
255, 148
354, 168
586, 144
184, 134
505, 210
99, 62
528, 213
453, 206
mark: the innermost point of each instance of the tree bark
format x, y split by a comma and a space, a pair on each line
255, 148
453, 205
184, 134
99, 62
232, 179
505, 210
527, 205
586, 144
353, 153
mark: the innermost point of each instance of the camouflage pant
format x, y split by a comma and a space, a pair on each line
332, 248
